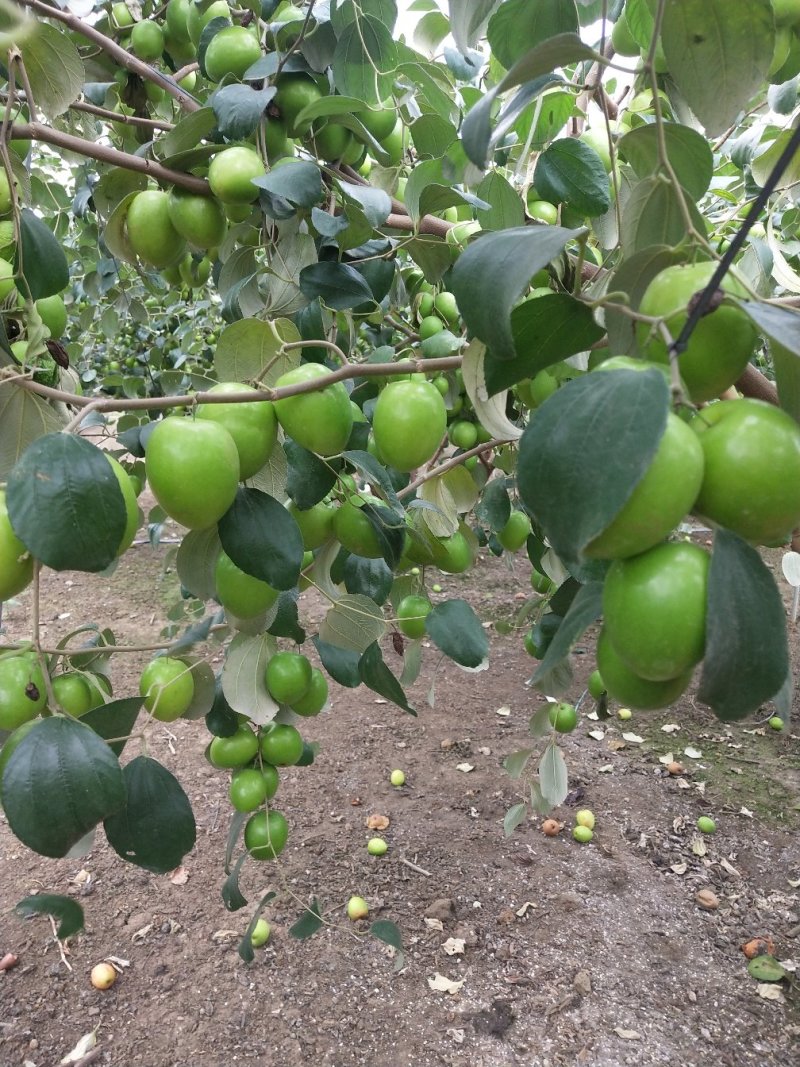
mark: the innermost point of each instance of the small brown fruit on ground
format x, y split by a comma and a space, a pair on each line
707, 900
758, 946
103, 976
551, 827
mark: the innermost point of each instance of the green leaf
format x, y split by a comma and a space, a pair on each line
572, 171
718, 53
65, 504
553, 780
155, 828
689, 154
300, 183
246, 348
353, 622
491, 274
515, 763
114, 720
781, 325
537, 65
246, 945
747, 657
456, 630
262, 538
338, 285
286, 622
766, 969
787, 378
430, 31
243, 677
390, 531
196, 562
68, 912
40, 257
186, 134
546, 330
432, 136
467, 20
340, 663
652, 216
308, 923
375, 203
326, 106
586, 450
764, 162
54, 68
24, 417
585, 609
519, 25
387, 932
375, 674
232, 895
60, 781
539, 723
513, 818
239, 109
365, 60
494, 507
310, 478
372, 577
374, 473
506, 209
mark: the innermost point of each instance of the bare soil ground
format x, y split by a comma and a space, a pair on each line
595, 954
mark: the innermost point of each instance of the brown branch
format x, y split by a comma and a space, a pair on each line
115, 51
754, 384
36, 131
455, 461
115, 116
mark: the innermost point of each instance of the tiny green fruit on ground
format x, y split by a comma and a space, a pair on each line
397, 778
563, 717
376, 846
584, 817
706, 825
357, 908
624, 714
582, 834
776, 723
260, 933
103, 976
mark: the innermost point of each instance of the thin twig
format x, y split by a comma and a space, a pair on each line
413, 867
57, 940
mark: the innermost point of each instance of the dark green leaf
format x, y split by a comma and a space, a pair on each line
653, 216
585, 452
766, 969
340, 663
40, 257
68, 912
561, 600
262, 538
365, 60
221, 720
65, 503
155, 828
513, 818
731, 40
239, 110
308, 923
231, 893
572, 172
519, 25
207, 35
375, 203
546, 330
387, 932
300, 183
374, 472
246, 945
506, 209
286, 622
372, 577
375, 674
238, 819
583, 611
538, 64
432, 136
114, 719
328, 225
747, 656
338, 285
491, 274
390, 531
456, 630
60, 781
689, 154
494, 507
781, 325
310, 479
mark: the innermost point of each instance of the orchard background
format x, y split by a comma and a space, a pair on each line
413, 347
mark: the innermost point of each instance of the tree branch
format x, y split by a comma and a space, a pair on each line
36, 131
115, 116
115, 51
754, 384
